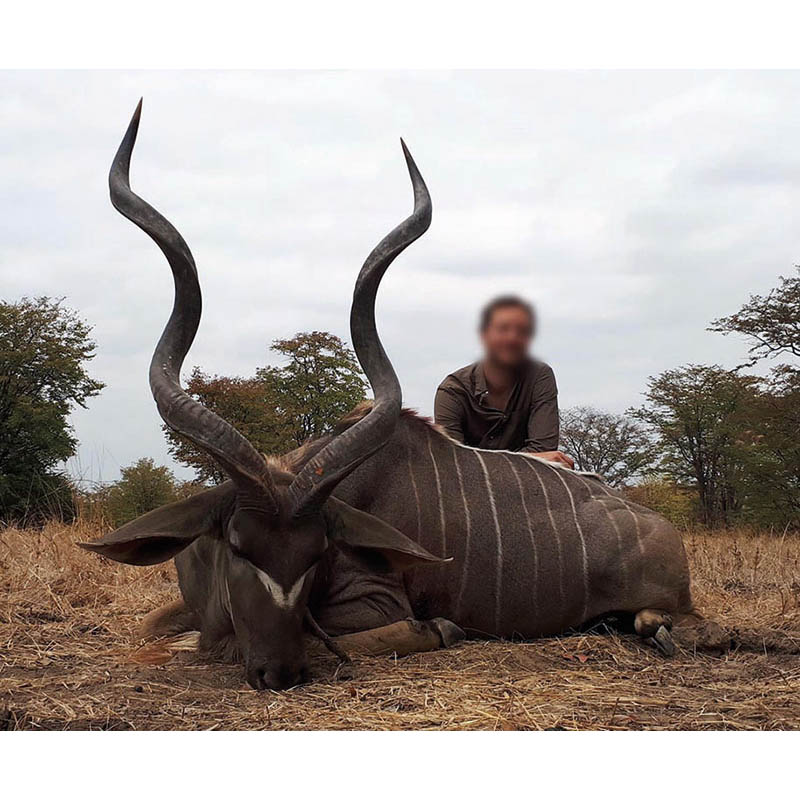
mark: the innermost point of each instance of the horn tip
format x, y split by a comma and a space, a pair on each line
412, 165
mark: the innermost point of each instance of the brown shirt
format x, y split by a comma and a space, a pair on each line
530, 419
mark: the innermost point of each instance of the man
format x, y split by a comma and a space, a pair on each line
508, 400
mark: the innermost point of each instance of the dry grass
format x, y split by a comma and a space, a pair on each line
67, 634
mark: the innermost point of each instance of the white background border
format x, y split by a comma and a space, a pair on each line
398, 34
411, 34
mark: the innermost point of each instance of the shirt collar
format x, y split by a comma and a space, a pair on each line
479, 386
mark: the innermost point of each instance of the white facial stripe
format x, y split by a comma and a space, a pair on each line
280, 597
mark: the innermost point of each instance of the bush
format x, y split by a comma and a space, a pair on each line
677, 503
142, 488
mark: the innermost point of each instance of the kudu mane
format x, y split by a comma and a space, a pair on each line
285, 466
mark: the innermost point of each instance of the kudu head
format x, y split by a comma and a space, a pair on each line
273, 528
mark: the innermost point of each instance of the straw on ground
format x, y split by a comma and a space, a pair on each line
69, 658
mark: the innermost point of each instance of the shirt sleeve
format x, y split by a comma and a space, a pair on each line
543, 426
448, 413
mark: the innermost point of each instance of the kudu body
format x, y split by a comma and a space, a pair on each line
536, 548
385, 520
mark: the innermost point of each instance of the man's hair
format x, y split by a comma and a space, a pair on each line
506, 301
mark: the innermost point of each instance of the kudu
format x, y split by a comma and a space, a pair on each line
383, 523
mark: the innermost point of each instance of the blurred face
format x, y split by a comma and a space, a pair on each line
507, 337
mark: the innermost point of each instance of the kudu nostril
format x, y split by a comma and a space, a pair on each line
255, 677
289, 676
282, 677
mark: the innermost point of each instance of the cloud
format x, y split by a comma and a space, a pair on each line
633, 208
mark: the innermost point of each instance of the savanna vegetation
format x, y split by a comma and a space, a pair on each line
710, 446
43, 375
44, 352
278, 408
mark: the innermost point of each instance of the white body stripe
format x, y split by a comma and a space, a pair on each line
530, 531
438, 496
499, 571
561, 593
468, 519
615, 525
632, 513
279, 595
226, 599
414, 487
585, 558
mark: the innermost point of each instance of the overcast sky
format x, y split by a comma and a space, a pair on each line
633, 208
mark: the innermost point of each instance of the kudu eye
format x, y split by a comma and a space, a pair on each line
235, 543
236, 551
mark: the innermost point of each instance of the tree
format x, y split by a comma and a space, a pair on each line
44, 348
142, 487
697, 414
250, 404
280, 407
612, 445
771, 446
772, 323
674, 502
768, 450
321, 382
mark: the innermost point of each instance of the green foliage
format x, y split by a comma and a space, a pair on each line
676, 503
142, 487
768, 450
250, 404
612, 445
696, 413
770, 444
731, 435
44, 348
771, 323
320, 383
280, 407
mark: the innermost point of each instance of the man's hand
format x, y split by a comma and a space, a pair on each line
557, 457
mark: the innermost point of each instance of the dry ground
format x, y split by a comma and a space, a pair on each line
67, 650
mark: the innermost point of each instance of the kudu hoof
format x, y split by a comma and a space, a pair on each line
449, 632
663, 642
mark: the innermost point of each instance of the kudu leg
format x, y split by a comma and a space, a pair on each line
168, 620
175, 629
404, 637
654, 626
691, 630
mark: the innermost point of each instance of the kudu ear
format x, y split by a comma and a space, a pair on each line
161, 534
373, 541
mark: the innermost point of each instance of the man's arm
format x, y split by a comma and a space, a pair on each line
543, 423
447, 413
